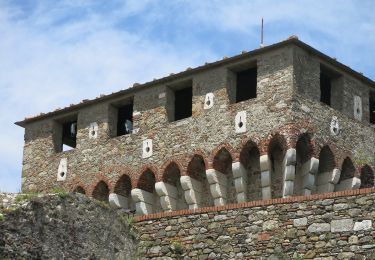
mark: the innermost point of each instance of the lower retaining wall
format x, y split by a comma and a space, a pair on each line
337, 225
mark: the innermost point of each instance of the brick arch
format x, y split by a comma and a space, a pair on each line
367, 176
167, 163
270, 139
101, 191
79, 189
147, 179
186, 162
118, 171
99, 177
246, 146
222, 160
142, 170
171, 173
304, 148
245, 139
76, 182
277, 139
233, 153
327, 159
348, 169
192, 169
123, 185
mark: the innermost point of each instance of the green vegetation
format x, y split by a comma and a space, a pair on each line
26, 197
2, 218
102, 204
177, 247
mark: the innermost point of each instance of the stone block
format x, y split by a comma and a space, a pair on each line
288, 188
362, 225
306, 192
270, 225
168, 203
62, 171
311, 166
309, 181
194, 206
218, 190
241, 197
265, 179
342, 225
220, 202
319, 228
328, 187
165, 189
290, 157
289, 173
266, 193
142, 208
139, 195
328, 177
299, 222
192, 197
214, 176
264, 163
118, 201
240, 184
188, 183
348, 184
238, 170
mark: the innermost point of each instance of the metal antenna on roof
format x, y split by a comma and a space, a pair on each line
261, 36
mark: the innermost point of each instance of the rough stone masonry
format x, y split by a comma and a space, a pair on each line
280, 121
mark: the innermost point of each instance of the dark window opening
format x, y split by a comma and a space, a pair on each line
246, 86
125, 120
183, 103
372, 107
69, 135
325, 88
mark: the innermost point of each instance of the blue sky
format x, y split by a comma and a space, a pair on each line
54, 53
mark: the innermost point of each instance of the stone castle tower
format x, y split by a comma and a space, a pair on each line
279, 121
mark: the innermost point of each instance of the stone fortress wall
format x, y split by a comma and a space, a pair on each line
328, 226
284, 142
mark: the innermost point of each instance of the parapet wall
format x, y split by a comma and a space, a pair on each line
337, 225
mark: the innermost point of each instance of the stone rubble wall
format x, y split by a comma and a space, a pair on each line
338, 225
62, 226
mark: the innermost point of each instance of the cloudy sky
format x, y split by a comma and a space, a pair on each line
54, 53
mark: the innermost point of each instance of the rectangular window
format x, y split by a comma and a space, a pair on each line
69, 136
183, 103
125, 119
246, 84
325, 88
179, 101
372, 107
65, 134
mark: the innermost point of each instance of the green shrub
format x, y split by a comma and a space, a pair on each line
26, 197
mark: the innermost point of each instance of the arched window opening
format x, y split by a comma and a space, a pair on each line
346, 181
146, 182
197, 170
324, 177
172, 176
304, 151
276, 153
249, 158
101, 191
223, 163
367, 177
123, 188
79, 189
